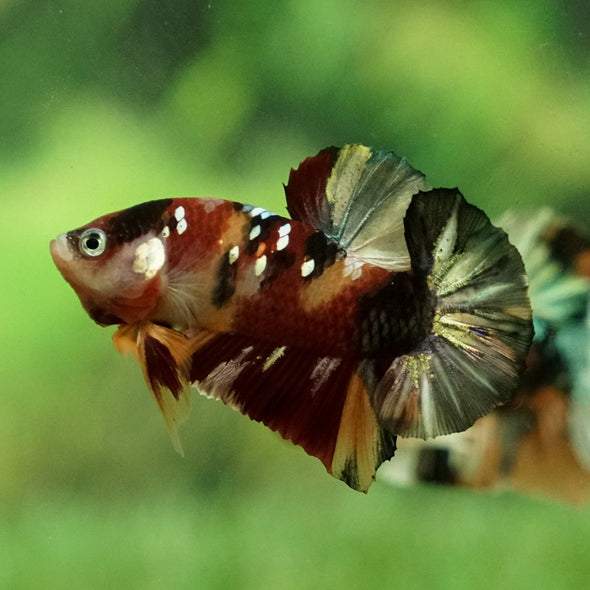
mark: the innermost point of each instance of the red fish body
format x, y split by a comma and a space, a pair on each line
381, 308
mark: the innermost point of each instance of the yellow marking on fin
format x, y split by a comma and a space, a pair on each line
357, 447
276, 354
347, 171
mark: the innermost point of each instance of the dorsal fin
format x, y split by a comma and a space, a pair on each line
358, 197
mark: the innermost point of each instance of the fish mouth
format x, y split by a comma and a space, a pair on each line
60, 249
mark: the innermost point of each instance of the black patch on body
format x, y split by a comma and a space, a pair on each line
277, 263
266, 227
172, 223
136, 221
395, 317
226, 281
323, 251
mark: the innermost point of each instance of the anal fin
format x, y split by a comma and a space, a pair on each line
318, 403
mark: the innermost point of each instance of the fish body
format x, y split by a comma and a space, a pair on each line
382, 307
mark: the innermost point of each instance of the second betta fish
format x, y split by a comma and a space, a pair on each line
381, 308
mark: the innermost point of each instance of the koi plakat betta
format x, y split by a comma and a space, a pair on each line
381, 308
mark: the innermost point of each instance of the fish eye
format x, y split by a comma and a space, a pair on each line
93, 242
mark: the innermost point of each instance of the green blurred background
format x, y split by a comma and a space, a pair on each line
107, 104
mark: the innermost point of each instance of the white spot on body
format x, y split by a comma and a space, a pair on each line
179, 213
181, 223
307, 267
233, 254
254, 232
257, 211
181, 226
284, 229
150, 257
166, 232
260, 265
283, 240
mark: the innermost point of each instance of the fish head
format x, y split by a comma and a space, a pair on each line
115, 264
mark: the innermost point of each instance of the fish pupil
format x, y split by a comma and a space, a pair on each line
92, 242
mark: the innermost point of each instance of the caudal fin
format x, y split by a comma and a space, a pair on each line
482, 327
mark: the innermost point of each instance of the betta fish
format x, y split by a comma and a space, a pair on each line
382, 307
